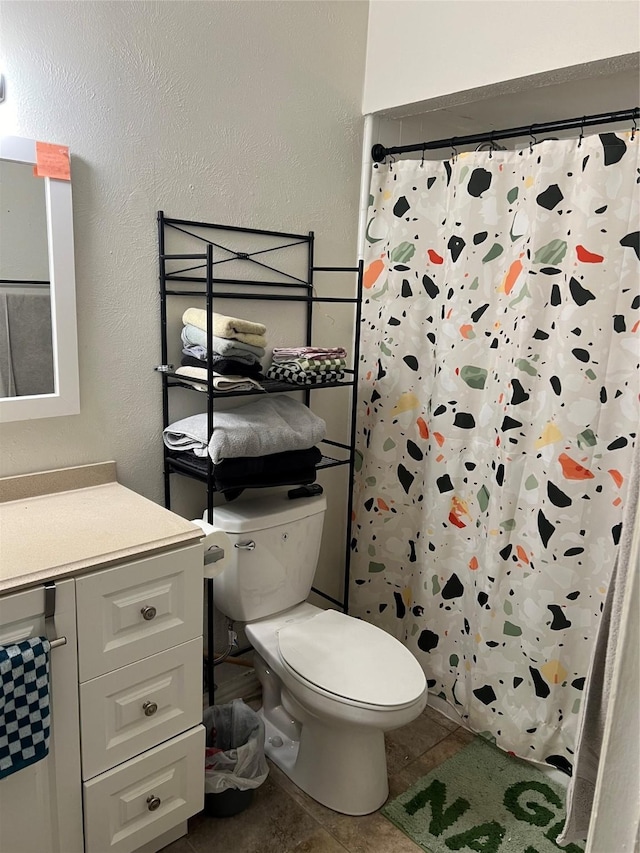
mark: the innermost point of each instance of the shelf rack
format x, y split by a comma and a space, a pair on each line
192, 275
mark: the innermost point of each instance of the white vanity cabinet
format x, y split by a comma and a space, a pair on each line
126, 763
41, 805
140, 672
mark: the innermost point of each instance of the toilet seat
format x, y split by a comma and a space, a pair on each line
351, 659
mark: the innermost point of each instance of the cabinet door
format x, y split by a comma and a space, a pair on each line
138, 609
136, 707
136, 802
41, 805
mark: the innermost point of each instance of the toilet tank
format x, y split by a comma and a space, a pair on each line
271, 552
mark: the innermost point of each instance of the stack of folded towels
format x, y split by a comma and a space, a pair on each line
308, 365
237, 347
270, 442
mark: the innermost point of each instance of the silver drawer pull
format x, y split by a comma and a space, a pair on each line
153, 803
245, 546
148, 613
149, 708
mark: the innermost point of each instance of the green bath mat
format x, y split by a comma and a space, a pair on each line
484, 801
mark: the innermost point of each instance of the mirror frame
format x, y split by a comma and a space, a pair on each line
65, 399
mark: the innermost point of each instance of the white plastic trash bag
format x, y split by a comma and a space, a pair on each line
234, 757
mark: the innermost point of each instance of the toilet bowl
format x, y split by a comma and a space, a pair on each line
331, 684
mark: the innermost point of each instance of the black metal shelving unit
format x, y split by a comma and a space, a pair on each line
193, 275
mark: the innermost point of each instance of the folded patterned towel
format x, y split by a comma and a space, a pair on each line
225, 366
272, 424
286, 353
227, 327
24, 704
315, 365
284, 373
192, 335
219, 382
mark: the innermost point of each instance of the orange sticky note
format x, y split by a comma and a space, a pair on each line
52, 161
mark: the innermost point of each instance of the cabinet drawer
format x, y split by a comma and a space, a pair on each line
127, 807
139, 706
132, 611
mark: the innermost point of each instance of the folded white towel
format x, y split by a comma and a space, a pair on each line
227, 327
219, 381
192, 335
272, 424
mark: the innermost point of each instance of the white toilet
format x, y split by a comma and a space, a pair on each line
331, 684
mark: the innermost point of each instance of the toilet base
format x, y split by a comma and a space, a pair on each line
331, 748
343, 769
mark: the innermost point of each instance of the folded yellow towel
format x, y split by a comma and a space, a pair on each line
232, 328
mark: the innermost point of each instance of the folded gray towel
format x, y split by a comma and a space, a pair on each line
247, 358
223, 346
270, 425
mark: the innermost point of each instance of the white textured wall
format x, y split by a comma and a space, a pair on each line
418, 50
245, 113
237, 112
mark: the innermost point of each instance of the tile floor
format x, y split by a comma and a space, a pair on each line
283, 819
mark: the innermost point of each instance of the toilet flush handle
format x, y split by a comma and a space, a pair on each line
245, 546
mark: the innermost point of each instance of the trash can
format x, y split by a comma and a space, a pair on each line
235, 763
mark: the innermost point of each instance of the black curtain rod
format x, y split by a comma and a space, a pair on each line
379, 152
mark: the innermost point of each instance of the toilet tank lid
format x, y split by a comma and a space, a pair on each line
264, 512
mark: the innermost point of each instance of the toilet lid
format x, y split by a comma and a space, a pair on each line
352, 659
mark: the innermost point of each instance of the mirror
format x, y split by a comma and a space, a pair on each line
38, 339
26, 368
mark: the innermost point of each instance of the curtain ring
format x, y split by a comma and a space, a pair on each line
424, 147
454, 151
491, 144
532, 140
581, 131
634, 129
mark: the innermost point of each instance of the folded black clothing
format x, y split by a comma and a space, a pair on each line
232, 476
234, 485
191, 361
225, 366
291, 468
273, 463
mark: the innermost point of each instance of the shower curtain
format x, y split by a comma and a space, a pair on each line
498, 407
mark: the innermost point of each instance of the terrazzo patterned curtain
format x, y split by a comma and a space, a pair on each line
498, 410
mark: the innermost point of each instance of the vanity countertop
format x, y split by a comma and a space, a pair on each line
61, 523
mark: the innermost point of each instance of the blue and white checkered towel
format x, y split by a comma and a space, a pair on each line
24, 704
